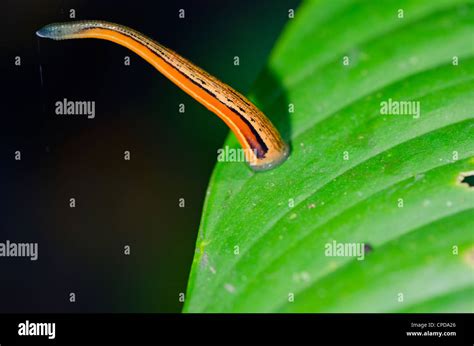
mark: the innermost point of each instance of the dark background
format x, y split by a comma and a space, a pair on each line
118, 202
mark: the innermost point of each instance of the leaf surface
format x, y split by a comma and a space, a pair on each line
354, 175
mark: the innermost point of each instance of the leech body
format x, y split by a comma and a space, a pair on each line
264, 147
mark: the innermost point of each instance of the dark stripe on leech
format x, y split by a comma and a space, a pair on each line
256, 143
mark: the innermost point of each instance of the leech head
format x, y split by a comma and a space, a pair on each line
59, 31
79, 29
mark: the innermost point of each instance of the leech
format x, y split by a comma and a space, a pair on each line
263, 146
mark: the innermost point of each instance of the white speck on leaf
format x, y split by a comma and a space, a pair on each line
204, 260
419, 176
229, 288
302, 276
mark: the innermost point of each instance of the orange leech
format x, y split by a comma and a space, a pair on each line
262, 144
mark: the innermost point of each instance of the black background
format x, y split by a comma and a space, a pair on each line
118, 202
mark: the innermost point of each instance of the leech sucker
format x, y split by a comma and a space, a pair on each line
263, 146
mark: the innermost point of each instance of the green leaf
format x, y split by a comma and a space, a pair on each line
354, 175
